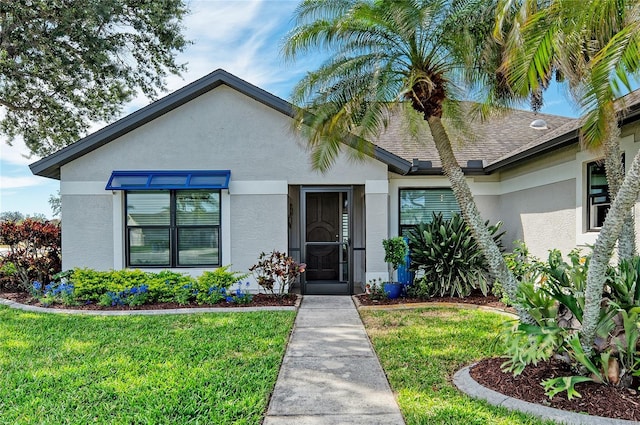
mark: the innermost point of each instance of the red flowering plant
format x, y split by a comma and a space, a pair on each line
276, 272
34, 252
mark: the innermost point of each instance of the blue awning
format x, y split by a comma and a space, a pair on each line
162, 180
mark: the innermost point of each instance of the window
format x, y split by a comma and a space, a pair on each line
598, 200
419, 205
173, 228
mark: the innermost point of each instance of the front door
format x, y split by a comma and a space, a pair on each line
326, 220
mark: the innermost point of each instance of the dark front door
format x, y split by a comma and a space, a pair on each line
326, 223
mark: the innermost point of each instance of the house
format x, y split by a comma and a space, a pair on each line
213, 174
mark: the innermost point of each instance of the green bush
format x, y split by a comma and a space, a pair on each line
554, 296
446, 258
91, 285
122, 287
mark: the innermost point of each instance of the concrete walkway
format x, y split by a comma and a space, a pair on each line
330, 374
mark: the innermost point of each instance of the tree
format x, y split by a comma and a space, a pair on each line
66, 63
595, 46
566, 38
388, 58
15, 216
55, 202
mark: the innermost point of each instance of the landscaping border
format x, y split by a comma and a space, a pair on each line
464, 382
36, 309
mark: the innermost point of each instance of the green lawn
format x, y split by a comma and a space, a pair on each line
421, 349
169, 369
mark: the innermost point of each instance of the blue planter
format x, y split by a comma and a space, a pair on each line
392, 289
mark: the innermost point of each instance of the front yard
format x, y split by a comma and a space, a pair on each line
421, 349
168, 369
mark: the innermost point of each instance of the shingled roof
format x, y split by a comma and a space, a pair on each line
481, 143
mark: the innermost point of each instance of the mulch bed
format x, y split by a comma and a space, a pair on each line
258, 300
596, 400
475, 298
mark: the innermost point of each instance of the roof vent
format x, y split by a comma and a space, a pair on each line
539, 125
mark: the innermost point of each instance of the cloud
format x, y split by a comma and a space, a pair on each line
9, 182
17, 153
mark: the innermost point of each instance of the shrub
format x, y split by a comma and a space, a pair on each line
54, 292
395, 253
555, 299
34, 252
446, 258
221, 277
135, 287
163, 286
276, 272
375, 290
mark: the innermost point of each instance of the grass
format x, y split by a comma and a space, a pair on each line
421, 349
177, 369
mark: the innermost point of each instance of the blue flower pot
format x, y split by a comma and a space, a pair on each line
392, 289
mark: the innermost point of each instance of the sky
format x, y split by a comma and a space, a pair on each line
244, 38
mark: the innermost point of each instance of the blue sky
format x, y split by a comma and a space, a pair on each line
242, 37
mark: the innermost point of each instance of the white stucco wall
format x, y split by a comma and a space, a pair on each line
221, 129
87, 235
539, 202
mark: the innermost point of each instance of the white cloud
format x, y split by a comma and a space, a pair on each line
16, 154
11, 182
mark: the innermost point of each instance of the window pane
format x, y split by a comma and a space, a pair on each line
149, 247
197, 208
198, 246
203, 180
129, 181
597, 195
168, 180
418, 205
148, 209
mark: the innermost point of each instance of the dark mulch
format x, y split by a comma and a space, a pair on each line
258, 300
596, 400
475, 298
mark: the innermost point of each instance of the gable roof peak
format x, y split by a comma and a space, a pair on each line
49, 166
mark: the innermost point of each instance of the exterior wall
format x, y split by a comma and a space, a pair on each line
259, 224
85, 244
221, 129
544, 217
539, 202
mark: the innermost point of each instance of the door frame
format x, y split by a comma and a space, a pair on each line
303, 234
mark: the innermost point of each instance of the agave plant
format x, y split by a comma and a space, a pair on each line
447, 259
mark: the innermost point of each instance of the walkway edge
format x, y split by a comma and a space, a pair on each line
36, 309
464, 382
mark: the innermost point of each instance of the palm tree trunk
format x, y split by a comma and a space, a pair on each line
602, 250
615, 175
495, 261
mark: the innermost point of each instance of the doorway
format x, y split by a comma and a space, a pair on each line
326, 223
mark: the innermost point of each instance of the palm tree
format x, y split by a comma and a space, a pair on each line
594, 46
388, 58
566, 38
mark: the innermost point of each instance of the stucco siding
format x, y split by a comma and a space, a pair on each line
221, 129
258, 224
544, 217
87, 235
